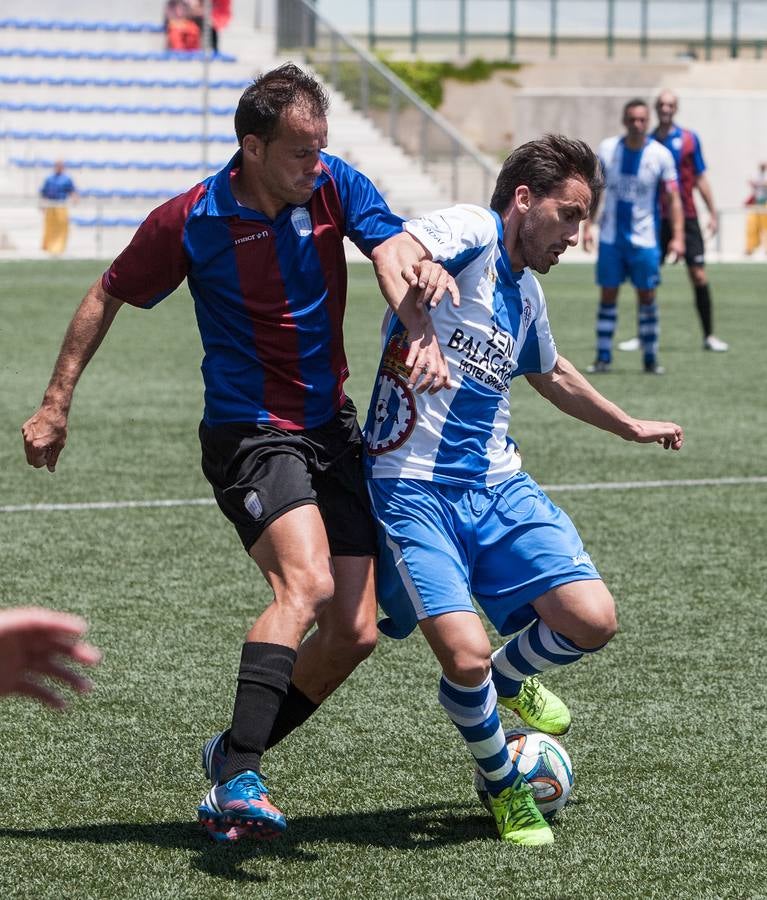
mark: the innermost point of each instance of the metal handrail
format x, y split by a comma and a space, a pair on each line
399, 94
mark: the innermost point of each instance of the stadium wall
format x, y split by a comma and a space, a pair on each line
725, 103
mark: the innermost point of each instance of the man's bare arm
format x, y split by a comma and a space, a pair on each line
676, 217
410, 282
45, 432
568, 390
703, 186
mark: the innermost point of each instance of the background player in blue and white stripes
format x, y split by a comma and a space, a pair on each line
457, 515
637, 171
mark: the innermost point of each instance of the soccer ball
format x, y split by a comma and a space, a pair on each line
544, 764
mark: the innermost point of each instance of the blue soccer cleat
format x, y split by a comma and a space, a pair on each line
241, 803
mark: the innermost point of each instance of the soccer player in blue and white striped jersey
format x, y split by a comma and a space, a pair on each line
638, 171
458, 518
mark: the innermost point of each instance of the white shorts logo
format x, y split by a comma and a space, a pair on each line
582, 559
394, 417
253, 504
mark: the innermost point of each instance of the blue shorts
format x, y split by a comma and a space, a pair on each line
617, 262
440, 544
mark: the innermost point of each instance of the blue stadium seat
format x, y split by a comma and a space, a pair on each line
125, 193
139, 164
61, 25
116, 108
113, 55
74, 81
114, 137
105, 222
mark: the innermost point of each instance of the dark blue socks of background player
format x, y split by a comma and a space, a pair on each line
262, 684
648, 333
607, 319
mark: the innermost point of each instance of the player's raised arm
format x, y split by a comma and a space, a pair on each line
410, 282
676, 244
569, 391
45, 432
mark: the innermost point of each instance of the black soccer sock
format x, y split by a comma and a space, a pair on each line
703, 305
262, 685
295, 710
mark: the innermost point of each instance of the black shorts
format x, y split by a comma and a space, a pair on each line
694, 248
259, 472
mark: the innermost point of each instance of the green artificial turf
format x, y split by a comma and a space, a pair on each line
668, 721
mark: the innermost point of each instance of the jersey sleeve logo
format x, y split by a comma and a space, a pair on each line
437, 228
394, 412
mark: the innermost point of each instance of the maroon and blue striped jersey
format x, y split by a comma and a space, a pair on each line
269, 295
688, 157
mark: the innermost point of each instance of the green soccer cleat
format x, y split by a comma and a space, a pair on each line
518, 819
538, 707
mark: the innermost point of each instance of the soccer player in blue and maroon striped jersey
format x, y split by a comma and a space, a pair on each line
688, 156
260, 245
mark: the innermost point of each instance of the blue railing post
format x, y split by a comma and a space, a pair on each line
371, 24
462, 28
644, 17
709, 27
414, 26
734, 29
553, 28
512, 28
610, 28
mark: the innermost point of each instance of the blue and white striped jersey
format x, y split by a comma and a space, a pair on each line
634, 181
499, 331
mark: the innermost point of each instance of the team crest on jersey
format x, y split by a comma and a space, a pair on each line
301, 221
527, 312
394, 415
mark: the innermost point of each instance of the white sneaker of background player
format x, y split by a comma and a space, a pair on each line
716, 344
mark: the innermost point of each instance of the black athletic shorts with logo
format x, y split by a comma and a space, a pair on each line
694, 248
259, 472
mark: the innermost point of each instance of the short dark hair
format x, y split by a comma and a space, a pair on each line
544, 165
637, 101
264, 101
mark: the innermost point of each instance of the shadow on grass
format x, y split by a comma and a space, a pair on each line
407, 828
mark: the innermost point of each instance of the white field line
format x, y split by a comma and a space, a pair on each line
206, 501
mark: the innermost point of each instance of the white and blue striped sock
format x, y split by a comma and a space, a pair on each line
530, 652
649, 331
607, 320
473, 711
